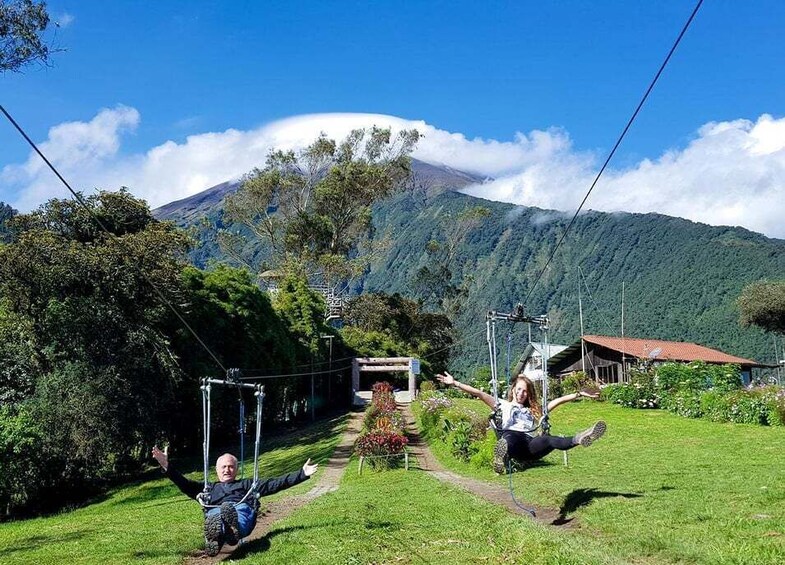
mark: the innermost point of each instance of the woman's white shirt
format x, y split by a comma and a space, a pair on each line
516, 417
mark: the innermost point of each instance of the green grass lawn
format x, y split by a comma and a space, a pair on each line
150, 522
656, 489
659, 488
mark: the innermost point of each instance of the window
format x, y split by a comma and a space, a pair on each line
608, 374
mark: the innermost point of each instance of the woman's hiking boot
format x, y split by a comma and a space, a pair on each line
589, 436
213, 534
229, 516
500, 457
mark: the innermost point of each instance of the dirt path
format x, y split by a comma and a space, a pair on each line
497, 493
330, 475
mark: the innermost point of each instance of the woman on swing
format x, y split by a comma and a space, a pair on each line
519, 416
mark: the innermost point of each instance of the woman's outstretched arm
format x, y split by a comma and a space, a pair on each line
449, 380
570, 397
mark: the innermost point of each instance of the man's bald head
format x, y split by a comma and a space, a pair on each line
226, 468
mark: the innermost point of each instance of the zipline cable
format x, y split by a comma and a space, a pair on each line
616, 146
596, 179
116, 238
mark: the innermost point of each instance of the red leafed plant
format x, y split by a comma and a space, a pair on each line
380, 442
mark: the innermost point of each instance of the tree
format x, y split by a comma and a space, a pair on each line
762, 304
6, 213
380, 324
433, 283
83, 332
313, 208
22, 24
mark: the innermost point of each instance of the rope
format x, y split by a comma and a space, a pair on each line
616, 146
206, 423
526, 509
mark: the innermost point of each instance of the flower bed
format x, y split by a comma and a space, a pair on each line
382, 438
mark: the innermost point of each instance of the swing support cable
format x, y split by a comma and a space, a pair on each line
232, 380
516, 316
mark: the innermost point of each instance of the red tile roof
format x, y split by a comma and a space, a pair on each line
665, 350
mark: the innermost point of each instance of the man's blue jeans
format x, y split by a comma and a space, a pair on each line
246, 518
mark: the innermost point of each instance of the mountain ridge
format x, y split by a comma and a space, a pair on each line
681, 277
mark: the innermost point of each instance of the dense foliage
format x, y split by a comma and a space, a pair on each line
464, 430
313, 207
85, 354
681, 278
105, 335
384, 325
762, 304
22, 25
698, 389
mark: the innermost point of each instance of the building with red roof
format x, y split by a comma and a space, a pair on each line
608, 359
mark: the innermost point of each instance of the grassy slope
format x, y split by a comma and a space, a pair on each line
149, 522
660, 488
656, 489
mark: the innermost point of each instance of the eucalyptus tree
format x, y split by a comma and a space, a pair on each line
312, 208
22, 25
762, 304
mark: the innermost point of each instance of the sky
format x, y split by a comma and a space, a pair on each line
171, 98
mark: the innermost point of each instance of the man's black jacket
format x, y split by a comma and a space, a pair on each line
236, 490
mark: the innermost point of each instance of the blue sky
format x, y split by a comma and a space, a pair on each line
169, 98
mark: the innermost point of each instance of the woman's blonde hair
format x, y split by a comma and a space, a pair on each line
532, 402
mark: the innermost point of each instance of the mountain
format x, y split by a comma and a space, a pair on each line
681, 278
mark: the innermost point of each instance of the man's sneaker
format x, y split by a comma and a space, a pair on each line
500, 457
213, 534
589, 436
229, 516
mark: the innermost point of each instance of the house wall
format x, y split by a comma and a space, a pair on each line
602, 364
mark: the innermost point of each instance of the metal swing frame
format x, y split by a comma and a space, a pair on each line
232, 380
516, 316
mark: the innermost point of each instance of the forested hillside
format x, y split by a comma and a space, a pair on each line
681, 279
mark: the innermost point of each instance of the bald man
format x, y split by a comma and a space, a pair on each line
231, 517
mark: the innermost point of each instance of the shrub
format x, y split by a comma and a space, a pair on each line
775, 403
459, 438
22, 460
380, 442
715, 406
427, 386
641, 392
619, 394
574, 382
461, 429
483, 450
433, 406
685, 403
672, 377
747, 407
724, 378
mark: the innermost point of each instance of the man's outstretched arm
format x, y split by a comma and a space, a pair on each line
271, 486
188, 487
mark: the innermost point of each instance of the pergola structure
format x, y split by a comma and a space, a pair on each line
386, 365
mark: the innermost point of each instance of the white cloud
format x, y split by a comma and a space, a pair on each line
731, 173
